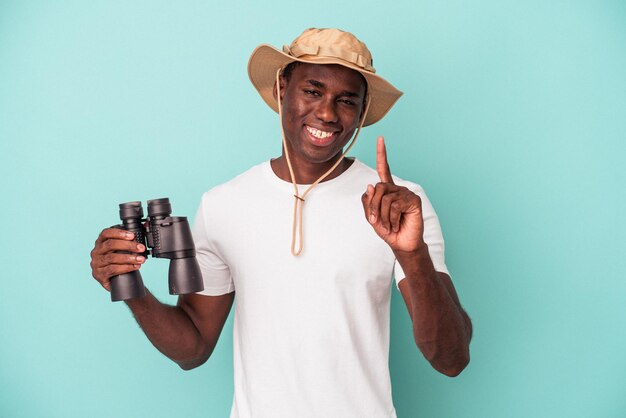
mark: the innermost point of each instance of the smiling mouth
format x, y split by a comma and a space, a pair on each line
320, 137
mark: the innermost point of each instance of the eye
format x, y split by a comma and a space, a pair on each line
312, 92
348, 102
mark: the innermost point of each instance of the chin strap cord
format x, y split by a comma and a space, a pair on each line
297, 237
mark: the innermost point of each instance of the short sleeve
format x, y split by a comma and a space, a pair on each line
215, 272
433, 236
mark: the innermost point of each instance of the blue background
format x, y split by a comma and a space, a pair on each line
513, 120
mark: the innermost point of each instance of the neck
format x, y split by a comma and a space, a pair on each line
308, 173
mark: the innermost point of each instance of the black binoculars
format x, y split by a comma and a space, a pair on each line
167, 237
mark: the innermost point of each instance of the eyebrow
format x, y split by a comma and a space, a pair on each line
321, 85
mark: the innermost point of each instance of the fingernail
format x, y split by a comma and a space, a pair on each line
140, 247
139, 258
130, 235
372, 218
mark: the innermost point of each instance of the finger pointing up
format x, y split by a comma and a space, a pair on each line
382, 166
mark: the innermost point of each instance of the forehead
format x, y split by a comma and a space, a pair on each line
331, 75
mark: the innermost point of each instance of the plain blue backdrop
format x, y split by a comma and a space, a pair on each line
513, 120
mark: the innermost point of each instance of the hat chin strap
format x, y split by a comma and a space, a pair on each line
297, 237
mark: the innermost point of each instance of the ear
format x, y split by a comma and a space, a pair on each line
364, 107
283, 85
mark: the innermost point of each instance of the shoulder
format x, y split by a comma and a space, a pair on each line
249, 179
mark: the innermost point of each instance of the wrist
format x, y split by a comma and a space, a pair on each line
415, 262
420, 251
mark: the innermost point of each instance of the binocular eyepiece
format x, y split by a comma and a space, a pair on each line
166, 237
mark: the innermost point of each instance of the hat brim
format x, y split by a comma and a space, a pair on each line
266, 60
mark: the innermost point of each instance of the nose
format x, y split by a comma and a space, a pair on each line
326, 111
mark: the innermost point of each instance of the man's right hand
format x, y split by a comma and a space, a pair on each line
106, 259
186, 333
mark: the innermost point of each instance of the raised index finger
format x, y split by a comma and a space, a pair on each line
382, 167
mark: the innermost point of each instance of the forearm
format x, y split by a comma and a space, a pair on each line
441, 328
170, 330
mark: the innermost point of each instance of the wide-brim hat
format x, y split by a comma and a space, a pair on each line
323, 46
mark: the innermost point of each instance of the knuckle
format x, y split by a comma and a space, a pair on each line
102, 235
108, 271
96, 262
97, 274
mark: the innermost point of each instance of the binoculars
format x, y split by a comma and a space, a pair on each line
166, 237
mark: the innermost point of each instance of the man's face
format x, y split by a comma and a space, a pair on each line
321, 109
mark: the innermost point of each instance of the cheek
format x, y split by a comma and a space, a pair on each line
291, 111
290, 122
351, 115
351, 121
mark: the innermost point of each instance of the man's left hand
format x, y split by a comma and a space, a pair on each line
394, 211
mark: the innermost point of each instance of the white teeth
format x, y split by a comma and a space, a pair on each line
317, 133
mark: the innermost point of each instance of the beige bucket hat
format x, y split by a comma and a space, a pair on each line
323, 46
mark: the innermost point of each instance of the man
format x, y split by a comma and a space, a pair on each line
311, 330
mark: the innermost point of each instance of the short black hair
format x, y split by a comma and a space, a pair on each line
288, 70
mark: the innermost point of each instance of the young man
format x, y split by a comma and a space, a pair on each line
311, 330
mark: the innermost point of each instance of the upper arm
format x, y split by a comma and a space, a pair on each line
208, 313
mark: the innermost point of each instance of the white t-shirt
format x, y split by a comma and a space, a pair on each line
311, 333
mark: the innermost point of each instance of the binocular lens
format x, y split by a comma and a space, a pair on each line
131, 210
185, 276
127, 286
159, 207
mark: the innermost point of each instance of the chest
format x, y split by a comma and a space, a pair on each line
341, 253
